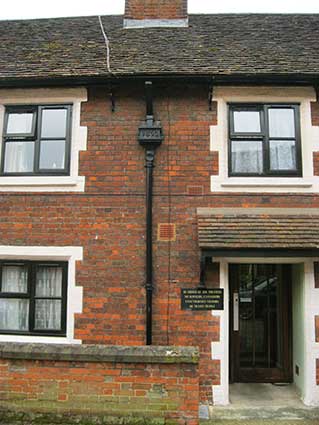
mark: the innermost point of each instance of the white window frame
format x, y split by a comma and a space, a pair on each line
303, 96
71, 254
73, 96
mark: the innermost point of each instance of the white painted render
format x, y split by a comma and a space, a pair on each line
71, 254
311, 307
220, 349
309, 139
298, 317
73, 96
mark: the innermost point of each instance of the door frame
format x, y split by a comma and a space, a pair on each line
237, 375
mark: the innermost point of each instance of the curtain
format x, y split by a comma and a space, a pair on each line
281, 123
14, 279
47, 311
48, 314
19, 157
14, 314
282, 155
247, 157
49, 282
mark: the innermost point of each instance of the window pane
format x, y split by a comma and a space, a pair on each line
247, 157
247, 122
281, 122
14, 279
14, 314
282, 155
20, 123
52, 154
48, 314
53, 123
49, 282
19, 157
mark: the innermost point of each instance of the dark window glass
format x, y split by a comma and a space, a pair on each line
264, 140
33, 298
36, 140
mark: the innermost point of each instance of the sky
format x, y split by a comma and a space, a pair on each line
22, 9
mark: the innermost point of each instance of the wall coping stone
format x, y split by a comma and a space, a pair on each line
99, 353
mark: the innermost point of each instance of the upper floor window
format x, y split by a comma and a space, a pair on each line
264, 140
36, 140
33, 298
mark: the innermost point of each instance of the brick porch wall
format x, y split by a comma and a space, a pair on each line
125, 382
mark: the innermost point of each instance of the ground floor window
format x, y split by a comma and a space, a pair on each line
33, 297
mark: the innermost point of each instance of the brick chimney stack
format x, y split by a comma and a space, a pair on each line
155, 13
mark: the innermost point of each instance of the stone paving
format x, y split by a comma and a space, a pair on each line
261, 404
263, 422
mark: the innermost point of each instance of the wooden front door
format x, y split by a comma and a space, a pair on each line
260, 323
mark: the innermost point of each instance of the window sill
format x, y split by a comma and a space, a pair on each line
288, 182
264, 184
42, 184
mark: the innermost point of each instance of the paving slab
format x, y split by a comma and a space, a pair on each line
261, 422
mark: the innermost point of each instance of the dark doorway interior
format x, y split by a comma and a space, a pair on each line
260, 323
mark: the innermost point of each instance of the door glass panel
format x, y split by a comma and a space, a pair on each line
246, 312
260, 321
261, 288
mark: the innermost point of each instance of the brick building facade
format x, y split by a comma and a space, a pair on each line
88, 218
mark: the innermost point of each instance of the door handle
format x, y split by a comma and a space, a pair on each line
236, 312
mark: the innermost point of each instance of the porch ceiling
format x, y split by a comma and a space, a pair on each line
258, 228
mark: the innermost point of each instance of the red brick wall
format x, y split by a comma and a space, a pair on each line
108, 220
315, 121
116, 389
155, 9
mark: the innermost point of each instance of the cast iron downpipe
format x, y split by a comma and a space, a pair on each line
150, 136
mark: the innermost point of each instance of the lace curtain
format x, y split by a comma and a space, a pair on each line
14, 314
14, 279
247, 157
19, 157
282, 155
48, 284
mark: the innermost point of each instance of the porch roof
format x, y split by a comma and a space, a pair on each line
258, 228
